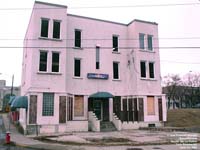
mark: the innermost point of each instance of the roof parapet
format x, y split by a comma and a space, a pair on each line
50, 4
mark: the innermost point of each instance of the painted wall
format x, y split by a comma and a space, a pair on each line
93, 32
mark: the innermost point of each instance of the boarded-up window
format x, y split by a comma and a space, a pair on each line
69, 108
33, 109
150, 105
79, 106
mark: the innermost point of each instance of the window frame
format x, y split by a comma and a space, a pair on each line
118, 73
55, 63
150, 71
115, 49
77, 45
142, 41
151, 102
97, 57
145, 69
41, 27
43, 51
77, 59
150, 45
76, 98
49, 111
59, 36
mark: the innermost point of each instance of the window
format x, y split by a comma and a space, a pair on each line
150, 42
56, 29
115, 70
143, 69
77, 67
78, 106
55, 62
43, 61
97, 57
141, 40
48, 104
115, 43
77, 38
151, 70
44, 27
150, 105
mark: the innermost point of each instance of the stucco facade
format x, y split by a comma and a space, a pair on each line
117, 72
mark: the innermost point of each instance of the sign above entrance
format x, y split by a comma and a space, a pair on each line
97, 76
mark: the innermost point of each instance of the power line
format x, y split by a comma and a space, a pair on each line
102, 7
180, 62
120, 39
131, 6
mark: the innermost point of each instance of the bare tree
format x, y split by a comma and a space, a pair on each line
171, 83
192, 88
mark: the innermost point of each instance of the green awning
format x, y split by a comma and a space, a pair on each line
101, 95
11, 100
20, 102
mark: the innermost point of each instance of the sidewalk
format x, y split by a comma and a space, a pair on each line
119, 140
24, 141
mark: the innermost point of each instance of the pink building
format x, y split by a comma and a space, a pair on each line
83, 74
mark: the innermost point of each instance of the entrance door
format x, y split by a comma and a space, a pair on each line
105, 110
97, 106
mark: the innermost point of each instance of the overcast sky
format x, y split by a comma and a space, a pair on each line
179, 26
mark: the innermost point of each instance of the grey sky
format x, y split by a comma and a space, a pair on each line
175, 22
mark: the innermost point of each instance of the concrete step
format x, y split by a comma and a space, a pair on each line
107, 126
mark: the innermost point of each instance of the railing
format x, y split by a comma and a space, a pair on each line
94, 123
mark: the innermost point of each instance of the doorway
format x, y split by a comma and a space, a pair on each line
100, 107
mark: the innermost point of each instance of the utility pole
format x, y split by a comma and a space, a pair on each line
11, 94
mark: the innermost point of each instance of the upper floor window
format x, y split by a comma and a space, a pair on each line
48, 104
55, 61
150, 42
143, 69
151, 70
56, 29
44, 27
43, 61
115, 43
141, 40
115, 70
77, 67
77, 42
97, 57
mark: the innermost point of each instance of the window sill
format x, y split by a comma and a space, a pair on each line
146, 50
77, 77
78, 48
148, 79
116, 52
119, 80
51, 39
49, 73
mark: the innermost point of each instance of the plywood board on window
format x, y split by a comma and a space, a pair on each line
79, 106
150, 105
